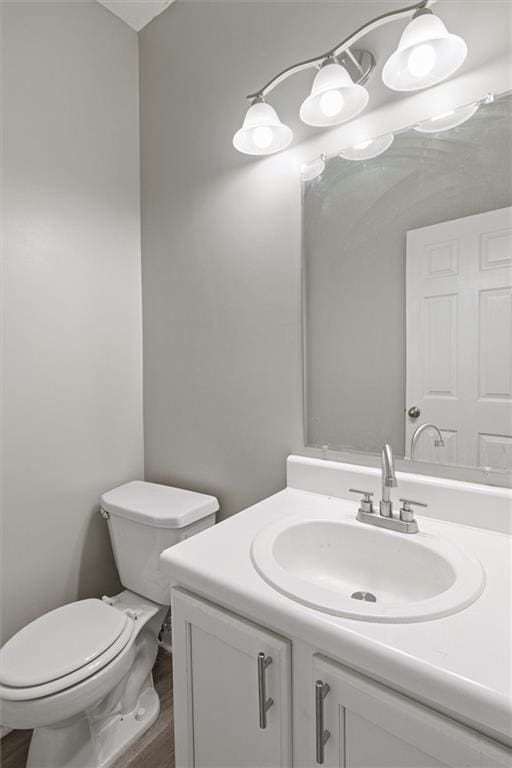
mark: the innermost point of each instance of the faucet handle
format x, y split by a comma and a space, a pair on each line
406, 512
366, 501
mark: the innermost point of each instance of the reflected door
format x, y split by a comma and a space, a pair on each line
459, 339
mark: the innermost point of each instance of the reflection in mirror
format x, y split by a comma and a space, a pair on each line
408, 297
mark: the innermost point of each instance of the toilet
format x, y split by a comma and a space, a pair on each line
80, 675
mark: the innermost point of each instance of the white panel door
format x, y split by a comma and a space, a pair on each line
217, 693
459, 339
370, 726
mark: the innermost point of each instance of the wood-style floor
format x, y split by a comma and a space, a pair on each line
155, 749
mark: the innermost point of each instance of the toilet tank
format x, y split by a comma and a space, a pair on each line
143, 520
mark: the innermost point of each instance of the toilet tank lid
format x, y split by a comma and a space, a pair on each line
160, 506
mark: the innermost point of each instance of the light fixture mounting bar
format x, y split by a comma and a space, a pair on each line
342, 47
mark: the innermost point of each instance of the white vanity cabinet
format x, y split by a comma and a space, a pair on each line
232, 689
226, 668
361, 724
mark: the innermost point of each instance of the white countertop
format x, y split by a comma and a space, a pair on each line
459, 664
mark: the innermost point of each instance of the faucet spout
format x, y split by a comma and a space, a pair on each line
388, 480
388, 468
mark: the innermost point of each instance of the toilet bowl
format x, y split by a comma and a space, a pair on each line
95, 710
81, 675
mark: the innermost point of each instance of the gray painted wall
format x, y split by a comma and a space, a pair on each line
221, 261
221, 233
72, 394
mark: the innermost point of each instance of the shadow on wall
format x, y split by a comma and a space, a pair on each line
97, 573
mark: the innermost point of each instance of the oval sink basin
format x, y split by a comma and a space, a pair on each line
347, 568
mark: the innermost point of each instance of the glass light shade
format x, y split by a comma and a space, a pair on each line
365, 150
447, 120
427, 54
262, 132
310, 171
334, 98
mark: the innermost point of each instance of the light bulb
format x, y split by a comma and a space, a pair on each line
334, 97
426, 54
363, 144
262, 136
443, 116
262, 132
368, 149
331, 103
447, 120
422, 60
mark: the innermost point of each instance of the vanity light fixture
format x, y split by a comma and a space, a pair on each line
447, 120
427, 54
312, 170
262, 132
365, 150
334, 97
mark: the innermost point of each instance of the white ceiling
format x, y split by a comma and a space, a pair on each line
136, 13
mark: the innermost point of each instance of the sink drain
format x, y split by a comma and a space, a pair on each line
366, 596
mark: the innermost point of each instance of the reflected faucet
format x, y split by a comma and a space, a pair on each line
438, 438
388, 480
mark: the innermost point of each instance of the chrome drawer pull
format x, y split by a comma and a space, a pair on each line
263, 702
322, 736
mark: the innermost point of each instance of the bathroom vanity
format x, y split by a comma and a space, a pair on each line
263, 678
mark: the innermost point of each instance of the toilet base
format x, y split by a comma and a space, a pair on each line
120, 734
83, 743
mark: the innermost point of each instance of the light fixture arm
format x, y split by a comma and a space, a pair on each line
343, 47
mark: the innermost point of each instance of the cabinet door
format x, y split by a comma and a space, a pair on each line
366, 725
221, 684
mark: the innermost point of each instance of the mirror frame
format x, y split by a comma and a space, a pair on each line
367, 458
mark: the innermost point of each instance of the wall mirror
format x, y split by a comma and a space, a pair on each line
408, 298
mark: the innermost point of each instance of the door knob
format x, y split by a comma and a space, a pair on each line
414, 412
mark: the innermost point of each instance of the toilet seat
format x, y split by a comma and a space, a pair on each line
62, 648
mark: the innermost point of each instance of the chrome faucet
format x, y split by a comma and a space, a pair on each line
438, 438
388, 480
405, 522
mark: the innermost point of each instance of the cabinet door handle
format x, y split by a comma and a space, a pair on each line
322, 735
264, 704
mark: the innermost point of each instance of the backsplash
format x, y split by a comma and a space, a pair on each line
481, 506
